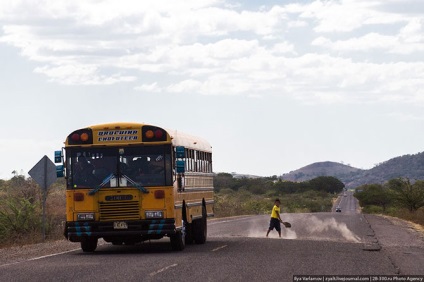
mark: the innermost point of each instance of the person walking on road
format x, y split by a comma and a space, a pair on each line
275, 221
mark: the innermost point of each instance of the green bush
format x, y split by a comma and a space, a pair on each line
21, 211
18, 216
398, 197
372, 209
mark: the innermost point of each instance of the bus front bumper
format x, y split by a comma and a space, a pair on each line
77, 231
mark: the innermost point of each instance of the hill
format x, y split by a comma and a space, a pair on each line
410, 166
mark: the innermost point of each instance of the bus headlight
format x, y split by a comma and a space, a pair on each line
154, 214
85, 216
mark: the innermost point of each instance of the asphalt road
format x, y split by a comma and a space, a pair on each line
347, 203
237, 250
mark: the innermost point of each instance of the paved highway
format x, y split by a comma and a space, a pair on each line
237, 250
347, 203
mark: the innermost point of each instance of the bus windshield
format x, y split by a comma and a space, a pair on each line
119, 166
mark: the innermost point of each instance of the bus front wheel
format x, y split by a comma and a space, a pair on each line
200, 228
188, 233
89, 245
178, 239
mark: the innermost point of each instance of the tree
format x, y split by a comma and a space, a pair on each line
327, 183
223, 181
410, 196
374, 194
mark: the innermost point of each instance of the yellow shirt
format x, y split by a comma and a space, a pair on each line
274, 212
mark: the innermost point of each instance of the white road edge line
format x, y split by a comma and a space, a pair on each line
162, 269
219, 248
52, 255
46, 256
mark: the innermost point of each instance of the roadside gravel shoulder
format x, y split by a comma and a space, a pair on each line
16, 254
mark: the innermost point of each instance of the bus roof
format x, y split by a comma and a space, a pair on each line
189, 141
178, 138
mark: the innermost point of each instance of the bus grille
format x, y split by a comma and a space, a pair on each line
119, 210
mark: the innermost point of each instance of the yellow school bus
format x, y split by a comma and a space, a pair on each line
131, 182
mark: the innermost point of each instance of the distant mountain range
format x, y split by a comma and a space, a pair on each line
410, 166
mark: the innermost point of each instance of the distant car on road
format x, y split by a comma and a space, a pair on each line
338, 209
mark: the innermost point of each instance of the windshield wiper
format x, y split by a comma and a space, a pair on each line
137, 185
112, 176
104, 182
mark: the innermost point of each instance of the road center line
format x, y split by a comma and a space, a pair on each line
226, 221
219, 248
163, 269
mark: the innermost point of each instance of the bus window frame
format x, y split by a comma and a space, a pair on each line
128, 152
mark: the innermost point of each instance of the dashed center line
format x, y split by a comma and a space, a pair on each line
219, 248
163, 269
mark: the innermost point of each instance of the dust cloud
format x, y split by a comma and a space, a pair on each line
319, 227
259, 230
306, 227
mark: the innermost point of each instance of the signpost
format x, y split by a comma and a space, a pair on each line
44, 173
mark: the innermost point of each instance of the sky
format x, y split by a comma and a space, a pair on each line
272, 85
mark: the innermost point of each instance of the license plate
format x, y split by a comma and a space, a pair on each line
120, 225
119, 198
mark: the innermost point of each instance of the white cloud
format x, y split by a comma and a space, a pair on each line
284, 47
347, 15
344, 57
208, 47
414, 30
81, 74
363, 43
336, 16
408, 41
150, 88
188, 85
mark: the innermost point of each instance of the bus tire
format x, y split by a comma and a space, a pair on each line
200, 228
89, 245
187, 228
188, 233
177, 241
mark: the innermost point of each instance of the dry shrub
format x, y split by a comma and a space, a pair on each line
56, 211
21, 210
416, 217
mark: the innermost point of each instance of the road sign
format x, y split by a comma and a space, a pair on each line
44, 173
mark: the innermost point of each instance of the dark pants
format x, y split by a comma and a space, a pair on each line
275, 223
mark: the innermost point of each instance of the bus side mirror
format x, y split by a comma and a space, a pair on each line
180, 166
60, 171
57, 156
180, 152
